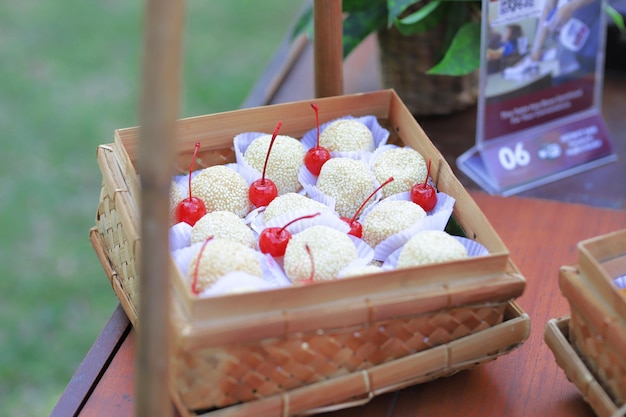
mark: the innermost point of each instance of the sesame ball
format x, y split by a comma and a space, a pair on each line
284, 163
331, 251
348, 181
221, 256
388, 218
176, 196
221, 188
223, 224
361, 270
347, 135
405, 165
289, 202
430, 246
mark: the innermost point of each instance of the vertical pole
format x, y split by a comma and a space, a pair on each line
328, 48
158, 113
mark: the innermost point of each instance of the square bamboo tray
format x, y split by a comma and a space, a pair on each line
331, 344
597, 327
557, 337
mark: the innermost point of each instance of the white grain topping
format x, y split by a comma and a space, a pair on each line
330, 249
348, 181
430, 246
289, 202
284, 163
405, 165
223, 224
219, 257
347, 135
361, 270
176, 196
388, 218
221, 188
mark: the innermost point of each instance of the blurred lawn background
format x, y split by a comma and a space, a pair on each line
69, 77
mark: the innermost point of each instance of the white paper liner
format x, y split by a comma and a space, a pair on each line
180, 235
235, 282
473, 249
183, 256
380, 134
620, 282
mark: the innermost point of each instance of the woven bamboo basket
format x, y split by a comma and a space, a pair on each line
597, 325
332, 344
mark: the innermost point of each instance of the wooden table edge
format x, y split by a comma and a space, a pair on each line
93, 365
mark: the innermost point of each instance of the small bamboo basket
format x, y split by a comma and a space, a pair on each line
595, 332
326, 345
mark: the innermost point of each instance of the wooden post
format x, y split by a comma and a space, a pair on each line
328, 48
158, 114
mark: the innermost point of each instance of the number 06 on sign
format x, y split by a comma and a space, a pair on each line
539, 116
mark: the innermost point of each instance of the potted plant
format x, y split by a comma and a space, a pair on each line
429, 49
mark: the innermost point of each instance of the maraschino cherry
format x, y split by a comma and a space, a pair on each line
317, 155
274, 240
191, 209
194, 282
263, 191
355, 227
424, 194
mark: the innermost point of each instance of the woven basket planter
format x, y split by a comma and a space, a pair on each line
325, 345
404, 60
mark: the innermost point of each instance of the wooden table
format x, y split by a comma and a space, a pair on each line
540, 227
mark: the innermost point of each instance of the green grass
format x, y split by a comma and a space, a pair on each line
69, 77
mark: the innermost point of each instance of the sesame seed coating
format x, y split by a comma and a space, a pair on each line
221, 256
284, 163
430, 246
347, 135
223, 224
361, 270
331, 251
405, 165
288, 202
348, 181
388, 218
176, 196
221, 188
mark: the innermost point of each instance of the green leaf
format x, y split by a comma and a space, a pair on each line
357, 26
422, 20
463, 55
616, 16
396, 7
360, 5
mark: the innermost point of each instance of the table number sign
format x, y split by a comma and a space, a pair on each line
541, 74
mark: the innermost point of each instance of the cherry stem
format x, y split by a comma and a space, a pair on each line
310, 216
369, 198
195, 155
194, 283
276, 129
427, 172
308, 251
317, 122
